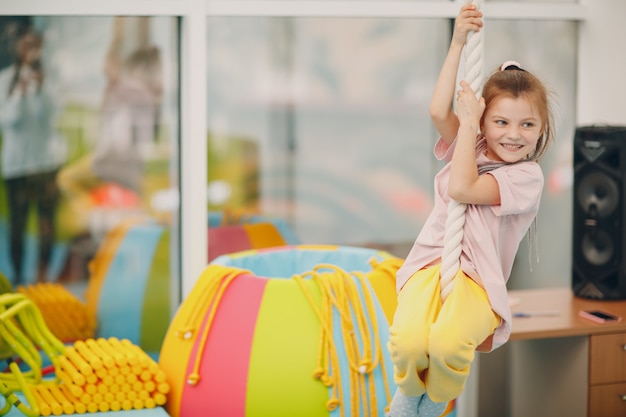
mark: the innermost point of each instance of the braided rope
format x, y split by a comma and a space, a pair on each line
453, 237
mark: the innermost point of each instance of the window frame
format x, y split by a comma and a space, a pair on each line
193, 101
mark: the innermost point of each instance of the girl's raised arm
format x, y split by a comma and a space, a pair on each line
444, 119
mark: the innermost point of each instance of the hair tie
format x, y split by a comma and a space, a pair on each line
511, 65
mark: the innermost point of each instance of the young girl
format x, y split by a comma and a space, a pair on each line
497, 175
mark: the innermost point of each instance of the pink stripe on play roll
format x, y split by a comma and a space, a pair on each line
221, 390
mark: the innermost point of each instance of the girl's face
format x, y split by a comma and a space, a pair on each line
512, 128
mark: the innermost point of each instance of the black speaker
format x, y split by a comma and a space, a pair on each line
599, 235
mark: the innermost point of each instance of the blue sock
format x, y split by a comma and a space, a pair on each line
429, 408
403, 406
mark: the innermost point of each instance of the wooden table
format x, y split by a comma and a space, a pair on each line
567, 322
562, 364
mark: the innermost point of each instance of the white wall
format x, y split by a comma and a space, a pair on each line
602, 64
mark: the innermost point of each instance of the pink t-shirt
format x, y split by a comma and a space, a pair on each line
491, 235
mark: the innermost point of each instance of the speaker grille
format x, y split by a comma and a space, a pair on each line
598, 249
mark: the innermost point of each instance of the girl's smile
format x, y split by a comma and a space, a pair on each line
512, 129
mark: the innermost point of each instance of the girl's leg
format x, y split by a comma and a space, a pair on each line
47, 201
403, 406
418, 304
464, 322
430, 408
17, 196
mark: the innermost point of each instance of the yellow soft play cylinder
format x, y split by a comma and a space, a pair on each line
267, 333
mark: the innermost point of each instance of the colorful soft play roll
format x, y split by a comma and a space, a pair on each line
231, 232
230, 218
129, 284
282, 332
130, 276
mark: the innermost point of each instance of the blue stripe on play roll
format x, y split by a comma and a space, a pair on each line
377, 373
122, 295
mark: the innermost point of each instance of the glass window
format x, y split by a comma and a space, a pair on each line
89, 131
332, 115
323, 122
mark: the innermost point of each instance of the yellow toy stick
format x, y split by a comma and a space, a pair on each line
68, 407
103, 407
92, 407
76, 390
78, 360
163, 387
96, 349
88, 355
102, 372
79, 407
132, 395
85, 398
130, 354
102, 387
160, 376
97, 398
107, 380
149, 386
138, 404
119, 357
149, 403
71, 371
138, 386
91, 389
145, 376
49, 399
144, 360
159, 398
131, 378
115, 405
92, 379
127, 405
44, 408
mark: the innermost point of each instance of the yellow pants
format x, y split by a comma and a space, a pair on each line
432, 345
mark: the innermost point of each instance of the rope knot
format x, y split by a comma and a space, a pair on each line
185, 333
332, 404
327, 380
364, 367
193, 379
318, 373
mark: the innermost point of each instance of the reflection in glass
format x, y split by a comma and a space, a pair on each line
32, 151
127, 126
323, 122
332, 117
101, 109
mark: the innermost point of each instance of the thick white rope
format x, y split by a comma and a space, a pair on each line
453, 237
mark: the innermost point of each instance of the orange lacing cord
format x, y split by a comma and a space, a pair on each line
215, 284
389, 266
378, 359
339, 290
339, 293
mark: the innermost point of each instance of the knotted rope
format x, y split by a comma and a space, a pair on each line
453, 237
